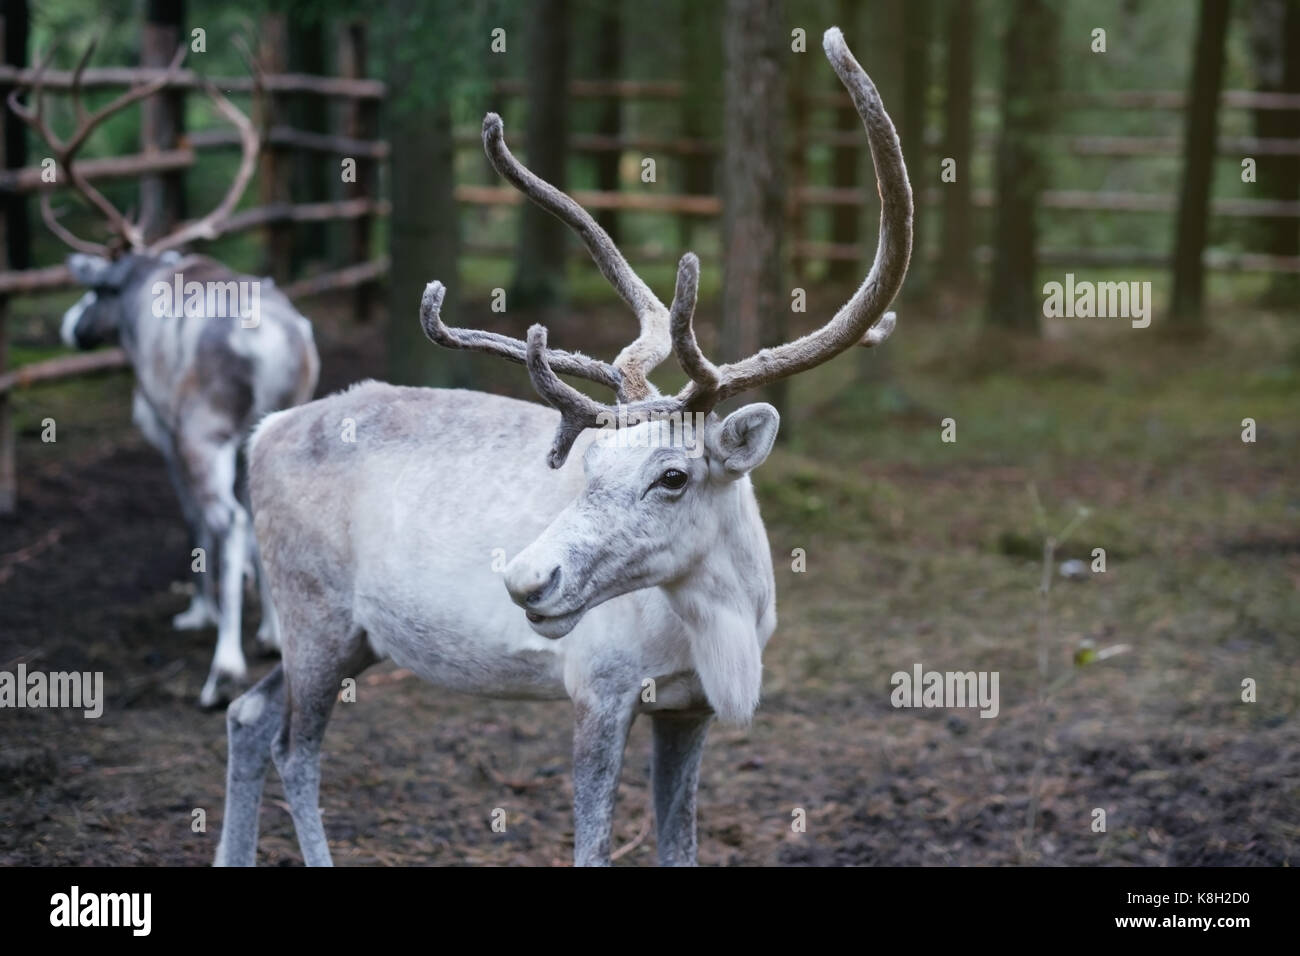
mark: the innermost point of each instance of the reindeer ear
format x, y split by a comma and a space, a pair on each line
88, 270
744, 439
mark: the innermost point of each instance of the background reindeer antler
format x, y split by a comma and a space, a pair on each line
127, 234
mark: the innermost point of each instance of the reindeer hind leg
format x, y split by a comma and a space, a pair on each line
268, 629
210, 464
252, 723
202, 609
315, 673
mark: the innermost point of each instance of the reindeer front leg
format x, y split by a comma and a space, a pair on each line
675, 776
602, 718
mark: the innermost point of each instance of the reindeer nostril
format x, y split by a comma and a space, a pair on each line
542, 593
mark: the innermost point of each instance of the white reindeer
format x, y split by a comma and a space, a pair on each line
209, 362
647, 566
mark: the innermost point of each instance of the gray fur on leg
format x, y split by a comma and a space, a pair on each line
601, 725
675, 773
252, 723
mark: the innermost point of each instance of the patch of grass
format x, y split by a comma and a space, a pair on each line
924, 550
20, 355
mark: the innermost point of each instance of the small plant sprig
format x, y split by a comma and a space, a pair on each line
1084, 655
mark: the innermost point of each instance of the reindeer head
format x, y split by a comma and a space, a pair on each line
97, 318
661, 499
656, 500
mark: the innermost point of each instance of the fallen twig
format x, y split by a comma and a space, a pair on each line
14, 558
636, 840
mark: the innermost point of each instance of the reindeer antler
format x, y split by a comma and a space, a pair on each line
65, 151
627, 375
209, 227
652, 346
474, 340
128, 233
861, 321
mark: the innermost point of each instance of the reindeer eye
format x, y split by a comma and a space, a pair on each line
672, 479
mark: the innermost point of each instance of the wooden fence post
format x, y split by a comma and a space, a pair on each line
358, 121
313, 172
275, 166
162, 120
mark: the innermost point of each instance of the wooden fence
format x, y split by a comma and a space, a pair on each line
804, 195
355, 137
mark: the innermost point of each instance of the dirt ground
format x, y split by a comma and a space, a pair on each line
911, 558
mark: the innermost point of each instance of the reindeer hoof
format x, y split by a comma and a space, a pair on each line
268, 642
227, 679
221, 689
194, 618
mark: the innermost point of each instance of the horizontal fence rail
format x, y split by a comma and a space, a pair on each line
115, 76
65, 366
290, 138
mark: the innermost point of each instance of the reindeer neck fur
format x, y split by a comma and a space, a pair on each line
728, 603
137, 295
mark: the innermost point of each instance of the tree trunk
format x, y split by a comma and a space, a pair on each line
1201, 128
18, 232
424, 232
539, 272
958, 115
162, 119
311, 171
916, 88
609, 121
755, 303
1275, 35
700, 28
846, 162
1028, 81
796, 210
